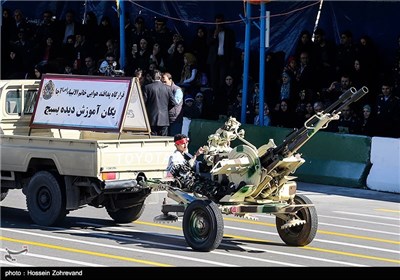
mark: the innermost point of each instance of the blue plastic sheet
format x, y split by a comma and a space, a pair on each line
378, 19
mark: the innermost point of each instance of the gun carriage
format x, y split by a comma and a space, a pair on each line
246, 179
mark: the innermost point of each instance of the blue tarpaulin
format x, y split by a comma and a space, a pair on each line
377, 19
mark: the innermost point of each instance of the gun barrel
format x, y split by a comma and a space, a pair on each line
353, 98
298, 137
342, 98
314, 119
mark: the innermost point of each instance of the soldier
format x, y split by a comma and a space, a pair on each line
181, 155
388, 112
182, 166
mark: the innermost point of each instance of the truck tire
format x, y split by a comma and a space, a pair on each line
127, 215
203, 225
46, 199
300, 235
3, 194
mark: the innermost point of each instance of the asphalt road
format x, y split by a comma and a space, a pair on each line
356, 228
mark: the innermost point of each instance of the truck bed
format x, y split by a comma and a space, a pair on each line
88, 157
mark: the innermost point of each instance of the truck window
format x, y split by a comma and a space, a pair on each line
13, 101
30, 101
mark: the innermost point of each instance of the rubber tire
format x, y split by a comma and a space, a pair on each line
3, 194
127, 215
207, 213
46, 199
303, 234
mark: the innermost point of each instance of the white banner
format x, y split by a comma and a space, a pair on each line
81, 102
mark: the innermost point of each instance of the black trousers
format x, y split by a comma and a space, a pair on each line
218, 71
159, 130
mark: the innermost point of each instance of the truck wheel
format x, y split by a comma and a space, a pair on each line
3, 194
127, 215
45, 199
203, 225
300, 235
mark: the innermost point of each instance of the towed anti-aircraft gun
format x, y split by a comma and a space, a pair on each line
247, 180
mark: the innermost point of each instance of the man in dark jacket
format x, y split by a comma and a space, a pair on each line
221, 44
388, 112
158, 99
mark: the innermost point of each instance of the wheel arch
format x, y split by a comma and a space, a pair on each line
48, 164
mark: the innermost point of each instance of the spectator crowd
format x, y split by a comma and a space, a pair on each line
201, 76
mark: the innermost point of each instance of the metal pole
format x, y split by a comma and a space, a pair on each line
317, 19
246, 62
85, 12
121, 12
262, 63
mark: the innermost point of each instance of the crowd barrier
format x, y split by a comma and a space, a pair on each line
385, 171
331, 158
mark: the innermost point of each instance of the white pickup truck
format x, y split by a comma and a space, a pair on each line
61, 168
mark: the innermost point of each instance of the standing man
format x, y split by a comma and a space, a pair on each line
162, 35
70, 26
176, 112
221, 43
387, 112
158, 98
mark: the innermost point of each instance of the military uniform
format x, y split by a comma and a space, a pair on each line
388, 116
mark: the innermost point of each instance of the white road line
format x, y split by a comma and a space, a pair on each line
341, 218
367, 215
360, 221
154, 243
56, 259
358, 246
302, 256
182, 238
257, 259
252, 230
362, 229
269, 251
319, 240
147, 251
175, 246
12, 264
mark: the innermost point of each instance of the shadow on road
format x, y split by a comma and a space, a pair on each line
123, 234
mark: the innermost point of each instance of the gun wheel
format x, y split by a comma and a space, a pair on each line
203, 225
303, 232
